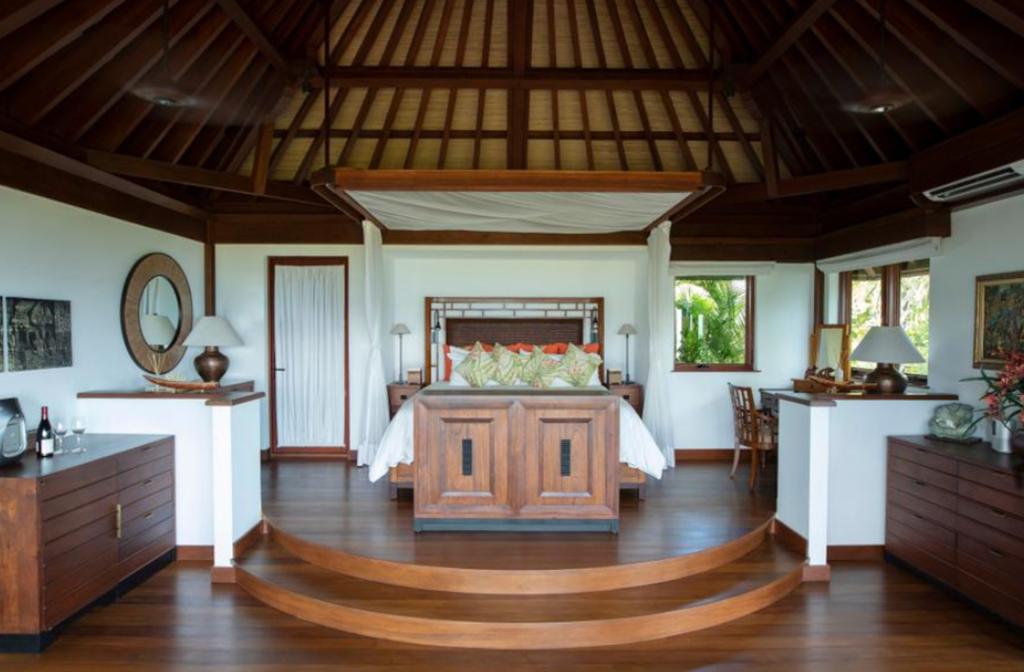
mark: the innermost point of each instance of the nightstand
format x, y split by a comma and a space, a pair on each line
399, 393
631, 392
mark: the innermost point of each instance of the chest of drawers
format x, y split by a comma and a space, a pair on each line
81, 525
956, 513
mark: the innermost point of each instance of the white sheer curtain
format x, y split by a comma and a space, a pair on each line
375, 410
309, 330
657, 406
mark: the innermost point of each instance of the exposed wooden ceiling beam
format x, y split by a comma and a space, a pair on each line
669, 79
790, 35
894, 171
197, 177
14, 15
261, 160
260, 39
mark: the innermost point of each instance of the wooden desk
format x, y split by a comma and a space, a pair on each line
77, 527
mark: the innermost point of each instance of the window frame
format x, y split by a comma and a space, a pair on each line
891, 276
748, 336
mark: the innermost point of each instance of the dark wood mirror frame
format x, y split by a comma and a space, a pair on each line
145, 269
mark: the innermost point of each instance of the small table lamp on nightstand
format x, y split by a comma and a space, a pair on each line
400, 330
627, 330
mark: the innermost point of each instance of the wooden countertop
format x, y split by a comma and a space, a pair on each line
97, 447
824, 399
980, 454
225, 391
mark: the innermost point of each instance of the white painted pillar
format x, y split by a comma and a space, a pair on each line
237, 496
817, 487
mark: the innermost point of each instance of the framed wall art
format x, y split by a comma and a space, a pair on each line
998, 318
37, 333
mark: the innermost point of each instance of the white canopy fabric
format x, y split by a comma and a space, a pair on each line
517, 212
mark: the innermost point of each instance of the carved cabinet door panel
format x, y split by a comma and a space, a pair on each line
463, 460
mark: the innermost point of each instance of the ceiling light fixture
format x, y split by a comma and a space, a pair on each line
884, 96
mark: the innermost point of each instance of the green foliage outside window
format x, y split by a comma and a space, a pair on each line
865, 308
914, 314
711, 316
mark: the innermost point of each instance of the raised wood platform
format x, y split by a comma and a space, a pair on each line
697, 553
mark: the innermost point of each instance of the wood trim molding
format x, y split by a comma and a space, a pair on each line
196, 553
817, 573
865, 553
789, 538
246, 541
637, 181
222, 575
704, 454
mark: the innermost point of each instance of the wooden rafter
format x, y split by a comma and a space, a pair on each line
261, 162
14, 16
790, 35
896, 171
260, 40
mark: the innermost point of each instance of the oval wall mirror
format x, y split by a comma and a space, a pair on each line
156, 313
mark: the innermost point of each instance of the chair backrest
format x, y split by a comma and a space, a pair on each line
743, 413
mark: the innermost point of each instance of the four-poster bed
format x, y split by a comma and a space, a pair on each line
508, 457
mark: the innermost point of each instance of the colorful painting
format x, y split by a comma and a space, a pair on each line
998, 318
38, 334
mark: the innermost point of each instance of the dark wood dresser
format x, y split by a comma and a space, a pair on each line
399, 393
79, 527
633, 393
956, 513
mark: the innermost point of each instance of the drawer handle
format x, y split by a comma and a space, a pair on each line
998, 554
626, 397
919, 482
119, 514
917, 515
147, 481
403, 397
997, 512
149, 515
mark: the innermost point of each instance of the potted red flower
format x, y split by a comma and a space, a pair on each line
1003, 402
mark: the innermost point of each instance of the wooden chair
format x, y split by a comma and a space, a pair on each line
754, 430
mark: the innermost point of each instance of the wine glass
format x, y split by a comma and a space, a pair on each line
60, 430
78, 427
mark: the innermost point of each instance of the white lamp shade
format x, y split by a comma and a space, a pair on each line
400, 330
627, 330
157, 330
212, 330
887, 345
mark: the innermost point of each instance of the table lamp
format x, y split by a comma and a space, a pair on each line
158, 331
210, 333
400, 330
627, 330
886, 347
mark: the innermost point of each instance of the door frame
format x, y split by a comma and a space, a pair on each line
303, 451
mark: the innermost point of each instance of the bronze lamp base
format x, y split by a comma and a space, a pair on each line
887, 380
211, 364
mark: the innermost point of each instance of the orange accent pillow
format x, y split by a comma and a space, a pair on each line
592, 348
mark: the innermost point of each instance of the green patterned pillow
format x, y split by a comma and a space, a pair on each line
478, 367
578, 367
507, 365
539, 370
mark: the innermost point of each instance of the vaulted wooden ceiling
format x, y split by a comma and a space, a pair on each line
513, 84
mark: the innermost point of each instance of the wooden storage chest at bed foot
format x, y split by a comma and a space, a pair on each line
401, 477
956, 514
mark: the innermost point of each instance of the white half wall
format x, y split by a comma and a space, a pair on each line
50, 250
986, 239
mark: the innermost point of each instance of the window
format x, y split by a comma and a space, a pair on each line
914, 286
865, 307
888, 295
714, 323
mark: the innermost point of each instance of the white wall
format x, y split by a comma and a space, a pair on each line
50, 250
700, 401
986, 239
782, 325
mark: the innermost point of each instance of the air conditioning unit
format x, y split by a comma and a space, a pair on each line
990, 180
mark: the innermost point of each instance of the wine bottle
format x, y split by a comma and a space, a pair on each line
44, 435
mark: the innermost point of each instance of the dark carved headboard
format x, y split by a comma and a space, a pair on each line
547, 320
465, 331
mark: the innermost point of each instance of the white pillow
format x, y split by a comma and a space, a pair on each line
456, 355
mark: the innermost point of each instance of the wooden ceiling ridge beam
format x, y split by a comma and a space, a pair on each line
290, 71
793, 32
148, 169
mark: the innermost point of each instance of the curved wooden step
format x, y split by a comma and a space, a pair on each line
519, 582
435, 618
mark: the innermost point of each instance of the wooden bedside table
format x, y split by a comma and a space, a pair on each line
631, 392
398, 393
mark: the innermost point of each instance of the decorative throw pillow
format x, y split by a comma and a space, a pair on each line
540, 370
507, 365
578, 366
478, 367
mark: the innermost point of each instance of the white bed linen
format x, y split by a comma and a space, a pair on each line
637, 447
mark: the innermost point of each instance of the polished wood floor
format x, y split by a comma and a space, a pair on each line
871, 617
693, 507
